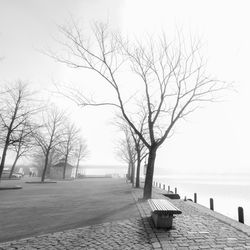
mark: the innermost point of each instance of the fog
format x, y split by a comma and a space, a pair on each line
213, 139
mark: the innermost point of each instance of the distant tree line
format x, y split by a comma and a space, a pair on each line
31, 129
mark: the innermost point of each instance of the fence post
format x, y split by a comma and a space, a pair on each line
159, 185
241, 215
168, 189
164, 186
211, 204
195, 198
175, 190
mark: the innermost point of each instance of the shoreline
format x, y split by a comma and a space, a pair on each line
227, 198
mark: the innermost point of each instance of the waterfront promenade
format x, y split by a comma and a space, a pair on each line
196, 228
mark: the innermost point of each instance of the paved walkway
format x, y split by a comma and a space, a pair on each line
196, 228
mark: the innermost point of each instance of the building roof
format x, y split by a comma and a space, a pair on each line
61, 165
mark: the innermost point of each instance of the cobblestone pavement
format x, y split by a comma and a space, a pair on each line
195, 228
126, 234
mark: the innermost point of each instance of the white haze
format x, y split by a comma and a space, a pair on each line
213, 139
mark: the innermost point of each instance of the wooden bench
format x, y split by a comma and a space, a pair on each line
162, 212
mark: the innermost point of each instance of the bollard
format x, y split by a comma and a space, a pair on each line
168, 189
241, 215
175, 190
211, 204
164, 186
195, 198
159, 185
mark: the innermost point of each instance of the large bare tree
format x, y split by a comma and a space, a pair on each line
172, 79
16, 109
50, 135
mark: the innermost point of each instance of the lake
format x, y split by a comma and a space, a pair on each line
229, 191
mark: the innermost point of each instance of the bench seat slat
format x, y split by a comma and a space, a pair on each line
163, 206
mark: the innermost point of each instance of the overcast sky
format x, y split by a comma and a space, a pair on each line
214, 139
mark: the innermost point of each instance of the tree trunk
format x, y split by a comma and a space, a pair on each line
129, 172
137, 183
147, 192
133, 174
77, 166
7, 141
6, 145
65, 166
3, 159
13, 166
45, 167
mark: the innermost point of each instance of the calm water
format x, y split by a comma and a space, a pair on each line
228, 191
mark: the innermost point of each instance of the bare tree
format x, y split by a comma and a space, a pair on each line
132, 148
16, 110
49, 136
141, 154
81, 152
68, 143
24, 142
38, 158
125, 151
172, 76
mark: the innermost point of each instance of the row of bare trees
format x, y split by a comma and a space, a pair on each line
167, 81
30, 129
131, 150
59, 140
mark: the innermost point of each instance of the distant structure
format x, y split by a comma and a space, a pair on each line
56, 171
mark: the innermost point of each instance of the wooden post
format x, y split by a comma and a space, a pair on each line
164, 186
241, 215
175, 190
168, 189
211, 204
195, 198
159, 185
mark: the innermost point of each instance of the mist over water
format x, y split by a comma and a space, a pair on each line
229, 191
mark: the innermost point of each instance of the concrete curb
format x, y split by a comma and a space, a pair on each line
10, 187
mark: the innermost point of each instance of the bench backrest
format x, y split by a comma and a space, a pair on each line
163, 206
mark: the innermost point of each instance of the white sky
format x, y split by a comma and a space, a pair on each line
214, 139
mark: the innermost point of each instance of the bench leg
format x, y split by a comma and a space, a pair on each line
162, 221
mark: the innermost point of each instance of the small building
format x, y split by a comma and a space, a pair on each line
56, 171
